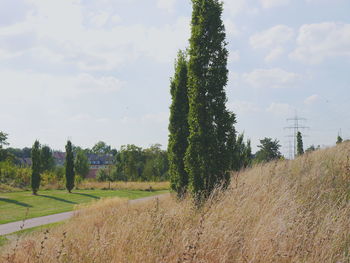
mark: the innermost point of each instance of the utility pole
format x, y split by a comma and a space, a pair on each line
295, 127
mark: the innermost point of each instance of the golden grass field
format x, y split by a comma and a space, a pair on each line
285, 211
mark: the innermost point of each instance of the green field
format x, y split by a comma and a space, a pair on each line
14, 206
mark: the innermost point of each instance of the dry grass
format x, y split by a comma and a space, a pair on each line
286, 211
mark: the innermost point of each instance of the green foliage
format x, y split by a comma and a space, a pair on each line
69, 167
242, 154
36, 167
300, 145
269, 150
136, 164
82, 165
101, 148
46, 159
178, 126
14, 176
339, 139
156, 164
209, 153
4, 154
103, 175
3, 139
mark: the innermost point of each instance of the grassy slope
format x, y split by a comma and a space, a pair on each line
13, 206
286, 211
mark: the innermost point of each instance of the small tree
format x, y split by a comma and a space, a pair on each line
300, 146
269, 150
339, 139
3, 142
69, 167
178, 127
82, 165
36, 167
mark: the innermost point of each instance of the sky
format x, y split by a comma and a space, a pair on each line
91, 70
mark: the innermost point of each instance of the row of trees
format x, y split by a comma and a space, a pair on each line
42, 160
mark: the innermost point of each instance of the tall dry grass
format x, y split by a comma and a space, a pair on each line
285, 211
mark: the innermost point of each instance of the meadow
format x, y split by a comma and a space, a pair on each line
15, 206
282, 211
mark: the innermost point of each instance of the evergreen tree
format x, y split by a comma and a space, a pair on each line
81, 165
300, 146
36, 167
69, 167
46, 159
208, 156
178, 127
339, 139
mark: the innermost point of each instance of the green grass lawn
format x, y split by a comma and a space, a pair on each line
13, 206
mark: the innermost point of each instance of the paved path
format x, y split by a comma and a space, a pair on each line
44, 220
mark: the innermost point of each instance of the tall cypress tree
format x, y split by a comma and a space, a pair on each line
178, 127
300, 146
208, 155
69, 167
36, 167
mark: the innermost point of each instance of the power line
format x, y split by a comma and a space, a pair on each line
295, 127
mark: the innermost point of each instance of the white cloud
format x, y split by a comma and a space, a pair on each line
274, 54
271, 78
168, 5
317, 42
312, 99
280, 109
244, 107
234, 56
28, 85
273, 3
272, 37
89, 46
231, 28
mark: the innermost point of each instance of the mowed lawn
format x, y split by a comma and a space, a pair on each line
14, 206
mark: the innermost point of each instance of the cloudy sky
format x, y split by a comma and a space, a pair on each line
94, 70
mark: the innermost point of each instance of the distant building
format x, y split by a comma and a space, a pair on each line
96, 161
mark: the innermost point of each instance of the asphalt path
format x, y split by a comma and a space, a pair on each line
44, 220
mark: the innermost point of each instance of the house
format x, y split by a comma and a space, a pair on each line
98, 162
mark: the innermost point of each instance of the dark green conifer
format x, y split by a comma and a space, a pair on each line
208, 155
300, 146
69, 167
178, 127
339, 139
36, 167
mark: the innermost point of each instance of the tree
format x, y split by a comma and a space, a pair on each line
242, 154
46, 159
69, 167
178, 127
208, 154
101, 148
300, 146
3, 139
3, 142
36, 167
269, 150
339, 139
81, 165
